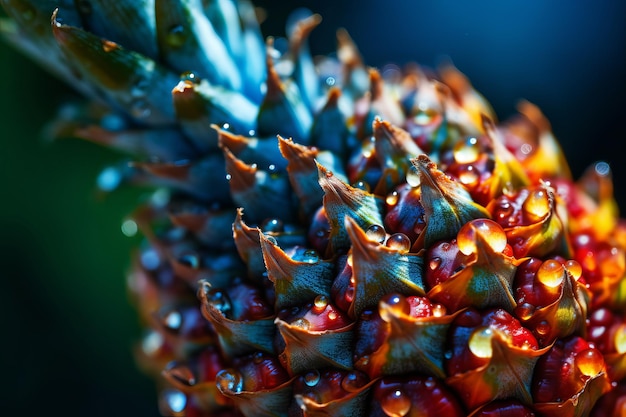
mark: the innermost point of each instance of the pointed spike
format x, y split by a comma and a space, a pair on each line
129, 80
379, 270
295, 282
262, 152
129, 24
307, 349
282, 111
239, 337
353, 404
508, 374
272, 402
394, 146
247, 240
330, 130
304, 72
262, 195
447, 205
342, 200
302, 174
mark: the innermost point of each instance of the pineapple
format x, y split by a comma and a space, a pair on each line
324, 239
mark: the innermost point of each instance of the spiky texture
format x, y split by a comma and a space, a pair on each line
324, 241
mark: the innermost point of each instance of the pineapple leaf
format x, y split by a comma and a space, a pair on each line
272, 402
353, 404
379, 270
309, 349
295, 282
447, 205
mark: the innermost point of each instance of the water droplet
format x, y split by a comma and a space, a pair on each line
543, 328
590, 362
109, 46
173, 320
396, 404
393, 305
430, 383
537, 205
602, 169
330, 81
258, 357
392, 199
251, 132
399, 242
272, 240
468, 176
363, 361
228, 177
273, 226
413, 177
480, 342
176, 36
220, 300
301, 323
182, 373
434, 263
140, 108
332, 315
620, 339
109, 179
362, 185
311, 378
526, 149
466, 151
376, 233
152, 343
175, 401
320, 302
448, 354
524, 311
150, 259
490, 231
438, 310
574, 268
551, 273
190, 77
353, 381
129, 228
310, 256
229, 380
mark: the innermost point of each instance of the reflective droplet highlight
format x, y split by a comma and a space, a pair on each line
413, 177
376, 233
537, 205
620, 339
301, 323
311, 378
129, 228
396, 404
320, 302
399, 242
173, 320
490, 231
550, 273
229, 380
466, 151
480, 342
590, 362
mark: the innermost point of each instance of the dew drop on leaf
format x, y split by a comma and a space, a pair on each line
376, 233
229, 380
590, 362
550, 273
311, 378
480, 342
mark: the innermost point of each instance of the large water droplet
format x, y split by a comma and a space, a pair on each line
396, 404
537, 205
311, 378
393, 305
176, 36
543, 328
229, 380
320, 302
399, 242
490, 231
310, 256
413, 177
574, 268
551, 273
392, 199
480, 342
468, 176
353, 381
524, 311
590, 362
376, 233
466, 151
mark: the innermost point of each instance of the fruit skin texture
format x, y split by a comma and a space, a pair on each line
395, 250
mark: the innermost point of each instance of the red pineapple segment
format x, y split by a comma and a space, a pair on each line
569, 378
607, 333
325, 385
414, 397
444, 259
405, 213
470, 337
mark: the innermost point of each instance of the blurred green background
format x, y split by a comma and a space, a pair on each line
69, 326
